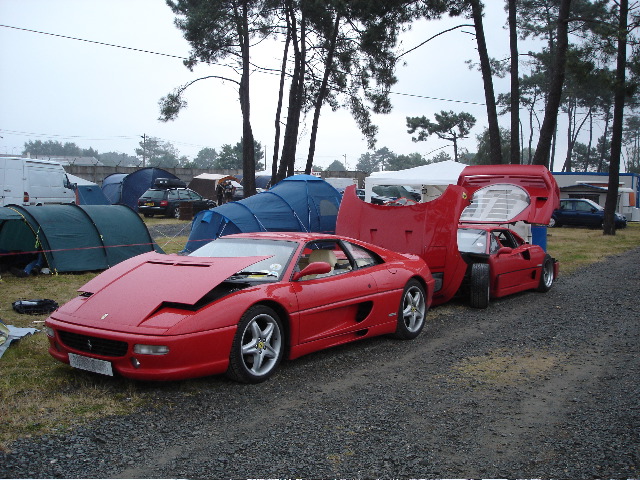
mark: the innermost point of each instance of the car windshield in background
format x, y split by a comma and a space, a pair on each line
279, 252
472, 241
155, 194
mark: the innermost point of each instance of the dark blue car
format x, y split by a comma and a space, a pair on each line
582, 212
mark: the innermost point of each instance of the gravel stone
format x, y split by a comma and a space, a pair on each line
535, 386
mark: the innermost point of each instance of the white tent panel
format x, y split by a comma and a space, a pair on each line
432, 179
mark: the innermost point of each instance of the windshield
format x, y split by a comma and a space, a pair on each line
472, 241
279, 252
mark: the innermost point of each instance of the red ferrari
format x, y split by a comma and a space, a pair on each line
239, 305
455, 233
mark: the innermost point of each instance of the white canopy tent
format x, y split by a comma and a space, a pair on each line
431, 179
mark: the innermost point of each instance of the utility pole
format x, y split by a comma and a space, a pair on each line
144, 148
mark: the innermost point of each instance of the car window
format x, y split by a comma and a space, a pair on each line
173, 195
328, 251
472, 240
194, 195
362, 256
583, 206
272, 268
154, 194
500, 202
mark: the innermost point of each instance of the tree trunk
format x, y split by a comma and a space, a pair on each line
287, 160
248, 153
283, 73
495, 143
322, 93
543, 150
616, 128
515, 85
603, 151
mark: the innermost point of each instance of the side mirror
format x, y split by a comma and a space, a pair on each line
505, 251
315, 268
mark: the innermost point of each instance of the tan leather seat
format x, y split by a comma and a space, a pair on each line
326, 256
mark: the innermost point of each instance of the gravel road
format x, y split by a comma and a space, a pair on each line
537, 385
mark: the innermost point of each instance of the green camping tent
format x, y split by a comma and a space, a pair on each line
74, 238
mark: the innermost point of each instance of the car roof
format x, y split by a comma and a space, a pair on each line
290, 236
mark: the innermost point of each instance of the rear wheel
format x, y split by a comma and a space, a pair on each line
547, 275
479, 285
258, 346
412, 311
148, 215
176, 212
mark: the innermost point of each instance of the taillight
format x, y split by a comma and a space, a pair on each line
164, 203
25, 198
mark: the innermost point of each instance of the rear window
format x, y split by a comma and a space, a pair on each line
154, 194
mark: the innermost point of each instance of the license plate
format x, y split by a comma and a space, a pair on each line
91, 364
149, 204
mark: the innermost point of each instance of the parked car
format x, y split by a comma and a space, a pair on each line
501, 263
375, 198
582, 212
166, 201
239, 305
486, 197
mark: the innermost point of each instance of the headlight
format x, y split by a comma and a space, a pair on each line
49, 331
150, 349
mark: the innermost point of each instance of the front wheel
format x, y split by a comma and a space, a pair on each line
412, 311
258, 346
547, 275
480, 285
553, 223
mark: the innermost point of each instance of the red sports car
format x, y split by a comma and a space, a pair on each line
501, 263
238, 305
487, 199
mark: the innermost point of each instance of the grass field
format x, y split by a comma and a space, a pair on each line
39, 395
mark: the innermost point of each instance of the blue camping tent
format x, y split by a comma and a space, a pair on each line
301, 203
126, 189
87, 193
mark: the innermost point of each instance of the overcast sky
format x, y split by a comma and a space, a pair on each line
100, 96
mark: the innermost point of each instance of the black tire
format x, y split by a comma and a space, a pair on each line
258, 346
175, 213
479, 285
412, 311
148, 215
547, 275
553, 223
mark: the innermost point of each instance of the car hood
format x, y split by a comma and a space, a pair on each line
131, 292
509, 193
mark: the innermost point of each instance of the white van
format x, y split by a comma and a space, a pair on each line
28, 181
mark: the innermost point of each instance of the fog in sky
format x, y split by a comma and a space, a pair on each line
101, 96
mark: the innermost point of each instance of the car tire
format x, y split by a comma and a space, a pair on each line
553, 223
148, 215
479, 285
412, 311
257, 347
547, 275
175, 213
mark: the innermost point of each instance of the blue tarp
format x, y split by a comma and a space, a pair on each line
126, 189
301, 203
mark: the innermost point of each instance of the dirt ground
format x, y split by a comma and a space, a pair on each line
537, 385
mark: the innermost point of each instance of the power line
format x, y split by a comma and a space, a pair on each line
94, 41
184, 58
